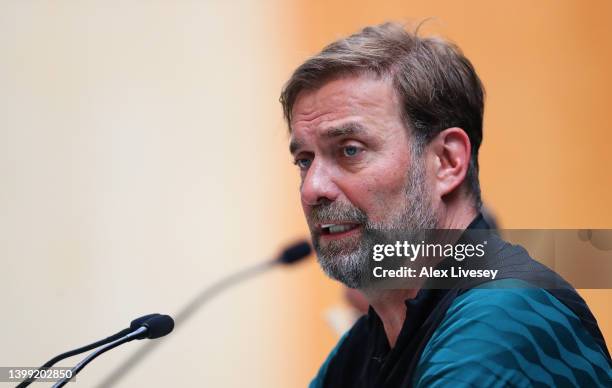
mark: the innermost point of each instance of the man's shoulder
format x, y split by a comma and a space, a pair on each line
509, 332
349, 342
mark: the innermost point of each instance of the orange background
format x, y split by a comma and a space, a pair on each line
546, 159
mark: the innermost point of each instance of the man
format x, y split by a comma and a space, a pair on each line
385, 130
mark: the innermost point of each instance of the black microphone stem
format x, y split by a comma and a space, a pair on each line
74, 352
184, 314
77, 368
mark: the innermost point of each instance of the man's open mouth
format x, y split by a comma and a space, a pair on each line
335, 229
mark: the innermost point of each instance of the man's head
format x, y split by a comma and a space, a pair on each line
385, 129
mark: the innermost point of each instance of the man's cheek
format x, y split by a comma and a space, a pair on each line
307, 213
311, 224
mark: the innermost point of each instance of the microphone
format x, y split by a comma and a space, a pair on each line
157, 326
134, 325
291, 255
154, 327
294, 253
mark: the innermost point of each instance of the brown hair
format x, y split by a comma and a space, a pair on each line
437, 84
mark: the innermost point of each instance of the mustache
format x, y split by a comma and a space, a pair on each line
338, 212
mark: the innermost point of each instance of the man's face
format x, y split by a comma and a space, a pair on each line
358, 171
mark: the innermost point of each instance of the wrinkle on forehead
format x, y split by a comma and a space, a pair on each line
362, 99
344, 98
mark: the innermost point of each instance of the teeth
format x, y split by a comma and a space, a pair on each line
339, 228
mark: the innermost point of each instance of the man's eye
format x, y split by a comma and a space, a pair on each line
350, 151
302, 163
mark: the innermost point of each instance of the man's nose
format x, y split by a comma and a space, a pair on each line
318, 185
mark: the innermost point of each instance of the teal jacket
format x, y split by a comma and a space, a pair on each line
501, 334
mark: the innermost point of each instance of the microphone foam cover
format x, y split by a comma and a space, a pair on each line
159, 326
136, 323
295, 253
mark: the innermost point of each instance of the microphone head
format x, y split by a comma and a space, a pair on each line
295, 253
136, 323
158, 326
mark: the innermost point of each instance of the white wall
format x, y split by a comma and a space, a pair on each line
141, 145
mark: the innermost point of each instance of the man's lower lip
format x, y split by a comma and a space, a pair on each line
335, 236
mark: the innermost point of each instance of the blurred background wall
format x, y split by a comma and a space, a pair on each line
143, 156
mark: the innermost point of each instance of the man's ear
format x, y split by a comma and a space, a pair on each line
451, 150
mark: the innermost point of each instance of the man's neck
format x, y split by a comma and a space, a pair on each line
457, 217
390, 305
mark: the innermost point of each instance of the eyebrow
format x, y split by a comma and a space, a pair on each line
342, 130
294, 146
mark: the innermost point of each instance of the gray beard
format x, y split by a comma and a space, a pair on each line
348, 261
